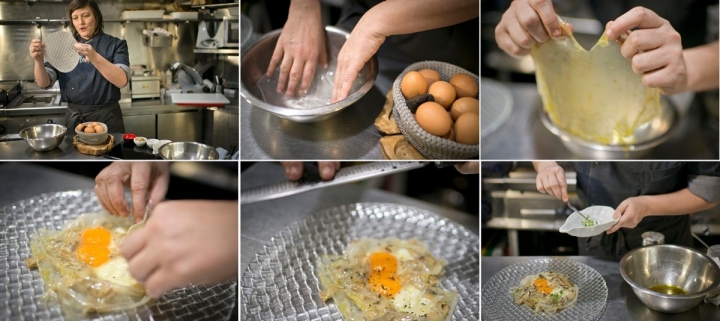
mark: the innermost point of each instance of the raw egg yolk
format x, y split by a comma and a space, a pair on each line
93, 248
383, 277
541, 285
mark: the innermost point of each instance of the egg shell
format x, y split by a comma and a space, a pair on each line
465, 85
413, 84
80, 127
443, 92
433, 118
430, 75
89, 129
450, 135
99, 129
467, 128
464, 105
94, 123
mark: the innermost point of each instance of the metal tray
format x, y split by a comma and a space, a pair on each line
280, 282
21, 288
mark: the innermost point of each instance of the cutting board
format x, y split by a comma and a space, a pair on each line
203, 100
95, 150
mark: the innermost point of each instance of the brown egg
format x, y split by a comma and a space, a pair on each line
467, 128
80, 127
99, 129
89, 129
413, 84
443, 92
450, 135
433, 118
94, 123
430, 75
464, 105
465, 85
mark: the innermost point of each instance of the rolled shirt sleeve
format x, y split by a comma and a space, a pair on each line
122, 59
52, 73
704, 180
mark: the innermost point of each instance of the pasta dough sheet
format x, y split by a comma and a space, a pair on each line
593, 94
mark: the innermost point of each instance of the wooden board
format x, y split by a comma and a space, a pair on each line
385, 122
396, 147
95, 150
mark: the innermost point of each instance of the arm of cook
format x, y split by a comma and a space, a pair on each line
116, 72
701, 194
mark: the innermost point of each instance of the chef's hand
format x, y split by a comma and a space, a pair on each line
551, 180
468, 168
87, 51
300, 48
364, 41
654, 48
630, 212
526, 23
146, 180
37, 50
183, 243
294, 170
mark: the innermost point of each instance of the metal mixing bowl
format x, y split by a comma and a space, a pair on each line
671, 265
187, 151
44, 137
256, 58
647, 136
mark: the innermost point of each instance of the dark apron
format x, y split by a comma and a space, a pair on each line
610, 183
109, 114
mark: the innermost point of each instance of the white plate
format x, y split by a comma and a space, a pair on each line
497, 304
60, 51
603, 215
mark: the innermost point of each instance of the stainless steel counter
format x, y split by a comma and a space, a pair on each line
524, 137
260, 221
28, 180
622, 303
20, 150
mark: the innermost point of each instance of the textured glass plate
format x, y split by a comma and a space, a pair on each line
280, 282
21, 288
592, 292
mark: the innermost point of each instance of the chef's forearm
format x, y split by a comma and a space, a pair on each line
111, 72
677, 203
42, 78
701, 64
398, 17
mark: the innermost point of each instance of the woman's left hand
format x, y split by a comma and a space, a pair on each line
87, 51
631, 211
362, 44
654, 48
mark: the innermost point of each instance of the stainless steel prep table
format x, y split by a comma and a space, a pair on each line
25, 180
622, 303
524, 137
262, 220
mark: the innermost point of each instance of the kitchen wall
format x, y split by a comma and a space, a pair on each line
17, 30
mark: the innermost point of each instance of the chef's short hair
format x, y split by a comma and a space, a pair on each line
79, 4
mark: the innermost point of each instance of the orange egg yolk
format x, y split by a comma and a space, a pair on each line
541, 285
383, 277
93, 248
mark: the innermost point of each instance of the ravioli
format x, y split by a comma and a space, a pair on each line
547, 292
386, 279
594, 95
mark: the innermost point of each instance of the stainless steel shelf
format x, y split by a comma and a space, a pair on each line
218, 51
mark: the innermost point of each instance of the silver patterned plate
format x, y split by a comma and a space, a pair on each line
21, 288
280, 282
592, 291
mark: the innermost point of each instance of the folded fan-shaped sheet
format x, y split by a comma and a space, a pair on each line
594, 94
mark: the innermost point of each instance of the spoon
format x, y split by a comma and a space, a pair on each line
141, 223
703, 243
576, 211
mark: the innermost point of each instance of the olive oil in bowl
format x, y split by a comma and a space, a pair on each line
668, 289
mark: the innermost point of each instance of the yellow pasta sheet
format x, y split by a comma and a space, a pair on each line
593, 94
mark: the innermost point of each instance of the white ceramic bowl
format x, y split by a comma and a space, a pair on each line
151, 142
603, 215
140, 141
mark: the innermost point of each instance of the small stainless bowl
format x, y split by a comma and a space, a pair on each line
255, 61
44, 137
671, 265
648, 135
187, 151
